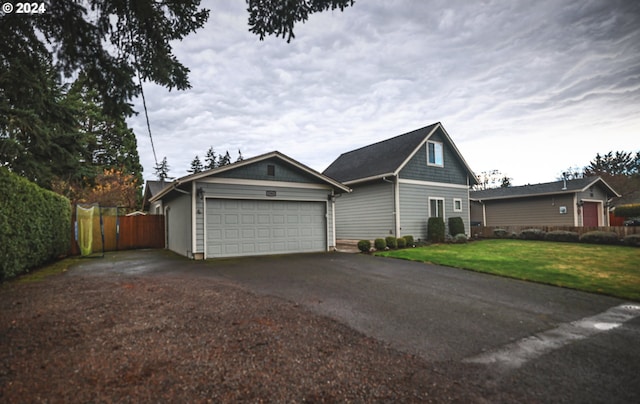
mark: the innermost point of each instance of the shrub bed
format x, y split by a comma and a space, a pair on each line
34, 225
600, 237
532, 234
562, 236
632, 240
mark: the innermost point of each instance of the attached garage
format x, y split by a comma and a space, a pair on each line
269, 204
256, 227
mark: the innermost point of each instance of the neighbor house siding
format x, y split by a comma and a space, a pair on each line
414, 207
366, 213
533, 211
453, 171
178, 224
241, 191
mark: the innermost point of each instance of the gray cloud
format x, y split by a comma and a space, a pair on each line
529, 88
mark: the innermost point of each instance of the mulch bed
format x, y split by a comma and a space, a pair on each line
87, 338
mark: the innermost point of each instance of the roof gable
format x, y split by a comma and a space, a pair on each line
226, 171
547, 188
388, 157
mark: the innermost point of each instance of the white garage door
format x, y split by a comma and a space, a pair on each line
257, 227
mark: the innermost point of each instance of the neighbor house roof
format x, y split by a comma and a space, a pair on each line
386, 158
274, 154
151, 189
548, 188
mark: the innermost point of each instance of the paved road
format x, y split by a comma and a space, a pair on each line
557, 344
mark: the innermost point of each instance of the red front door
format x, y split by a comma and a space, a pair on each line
590, 214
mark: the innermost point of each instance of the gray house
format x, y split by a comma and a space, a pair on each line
575, 203
269, 204
399, 183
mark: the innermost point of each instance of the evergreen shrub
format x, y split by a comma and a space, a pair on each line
532, 234
392, 242
435, 230
562, 236
379, 244
364, 245
402, 242
34, 225
409, 239
600, 237
456, 226
632, 240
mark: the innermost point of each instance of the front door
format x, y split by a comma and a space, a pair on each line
590, 214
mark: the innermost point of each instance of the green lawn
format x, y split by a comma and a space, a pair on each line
611, 270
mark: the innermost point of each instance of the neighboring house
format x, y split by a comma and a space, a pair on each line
399, 183
579, 202
151, 189
269, 204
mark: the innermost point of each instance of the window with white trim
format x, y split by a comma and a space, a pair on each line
435, 154
436, 207
457, 205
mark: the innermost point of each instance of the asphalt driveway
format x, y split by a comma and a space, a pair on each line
563, 344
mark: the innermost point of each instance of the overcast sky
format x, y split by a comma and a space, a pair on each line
529, 88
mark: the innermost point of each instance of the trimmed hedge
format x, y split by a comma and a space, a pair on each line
34, 225
562, 236
456, 226
409, 240
459, 238
392, 242
600, 237
379, 244
632, 240
364, 245
402, 242
435, 230
532, 234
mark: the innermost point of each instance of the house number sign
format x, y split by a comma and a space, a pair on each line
271, 193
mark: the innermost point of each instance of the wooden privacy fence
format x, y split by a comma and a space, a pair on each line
487, 231
124, 233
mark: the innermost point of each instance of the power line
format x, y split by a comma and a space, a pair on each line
146, 115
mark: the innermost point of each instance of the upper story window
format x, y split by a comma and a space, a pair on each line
271, 170
434, 154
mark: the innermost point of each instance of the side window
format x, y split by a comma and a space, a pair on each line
436, 207
434, 154
457, 205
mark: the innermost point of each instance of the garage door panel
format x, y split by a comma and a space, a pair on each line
251, 227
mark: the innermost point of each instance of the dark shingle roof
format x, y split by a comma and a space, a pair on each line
546, 188
379, 158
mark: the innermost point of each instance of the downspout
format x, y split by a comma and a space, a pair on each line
396, 202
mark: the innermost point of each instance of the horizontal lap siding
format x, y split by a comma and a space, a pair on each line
414, 207
366, 213
178, 219
537, 211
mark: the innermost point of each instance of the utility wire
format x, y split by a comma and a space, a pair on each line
146, 115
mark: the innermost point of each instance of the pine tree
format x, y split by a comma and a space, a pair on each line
240, 158
211, 161
162, 170
224, 160
196, 166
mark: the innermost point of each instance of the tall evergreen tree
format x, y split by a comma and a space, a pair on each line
224, 160
162, 170
196, 166
210, 159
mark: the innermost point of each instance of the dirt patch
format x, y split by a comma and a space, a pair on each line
164, 338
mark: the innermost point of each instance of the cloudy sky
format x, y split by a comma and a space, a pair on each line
529, 88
